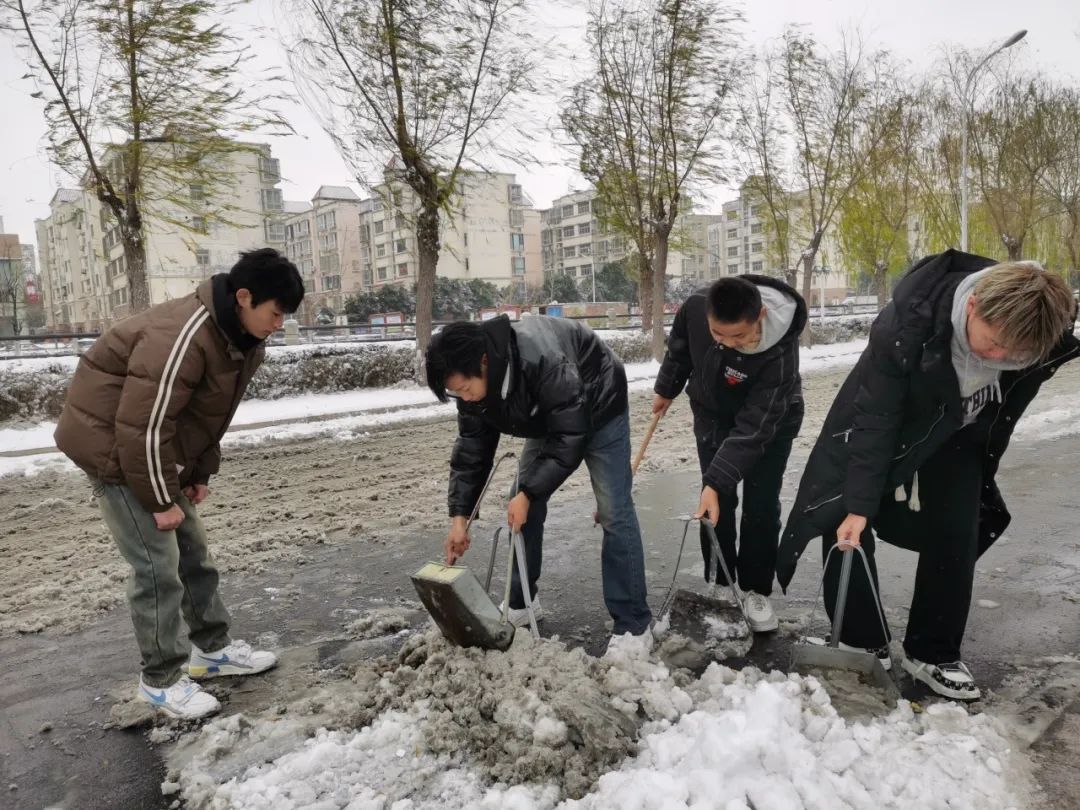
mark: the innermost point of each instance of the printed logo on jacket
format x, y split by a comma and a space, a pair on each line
734, 376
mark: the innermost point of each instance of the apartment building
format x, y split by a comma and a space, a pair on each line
492, 233
322, 238
742, 242
83, 270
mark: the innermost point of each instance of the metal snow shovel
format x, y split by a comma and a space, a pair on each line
690, 611
805, 655
460, 606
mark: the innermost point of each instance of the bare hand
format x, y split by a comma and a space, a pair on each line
196, 493
849, 534
457, 540
170, 519
709, 505
518, 511
660, 405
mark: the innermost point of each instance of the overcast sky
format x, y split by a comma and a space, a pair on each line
915, 30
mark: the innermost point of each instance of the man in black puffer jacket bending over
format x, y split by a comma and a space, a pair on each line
553, 382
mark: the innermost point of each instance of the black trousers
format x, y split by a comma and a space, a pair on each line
945, 534
754, 563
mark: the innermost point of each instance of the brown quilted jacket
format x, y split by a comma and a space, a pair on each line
152, 398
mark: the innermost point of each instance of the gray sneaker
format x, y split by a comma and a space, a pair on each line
759, 612
184, 699
519, 617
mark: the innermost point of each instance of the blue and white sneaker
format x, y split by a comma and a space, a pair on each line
183, 699
236, 659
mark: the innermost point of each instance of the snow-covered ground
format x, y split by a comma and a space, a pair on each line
359, 411
549, 732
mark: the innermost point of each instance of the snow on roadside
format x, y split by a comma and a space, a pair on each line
460, 734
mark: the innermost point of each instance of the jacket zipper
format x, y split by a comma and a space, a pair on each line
845, 433
941, 415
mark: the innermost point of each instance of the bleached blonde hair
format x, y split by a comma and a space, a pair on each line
1030, 307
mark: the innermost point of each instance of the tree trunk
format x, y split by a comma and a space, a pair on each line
1014, 246
807, 287
645, 291
427, 235
881, 276
659, 344
135, 264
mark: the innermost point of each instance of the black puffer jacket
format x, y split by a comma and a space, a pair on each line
748, 399
548, 378
900, 403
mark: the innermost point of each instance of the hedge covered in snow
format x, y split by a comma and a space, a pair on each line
37, 391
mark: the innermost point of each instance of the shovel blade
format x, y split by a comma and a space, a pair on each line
806, 656
705, 619
461, 608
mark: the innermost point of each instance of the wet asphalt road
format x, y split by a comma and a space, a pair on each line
56, 691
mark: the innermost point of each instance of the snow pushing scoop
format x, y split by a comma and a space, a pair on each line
806, 655
461, 606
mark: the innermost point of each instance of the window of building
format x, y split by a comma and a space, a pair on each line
515, 195
756, 267
271, 199
403, 269
733, 215
381, 271
733, 250
733, 269
326, 222
756, 247
399, 220
585, 250
755, 210
583, 207
400, 246
568, 232
572, 272
517, 241
378, 226
517, 265
269, 170
275, 231
755, 228
380, 250
733, 233
198, 224
584, 228
568, 210
304, 227
198, 191
569, 252
202, 257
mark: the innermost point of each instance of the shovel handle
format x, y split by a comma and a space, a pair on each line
645, 442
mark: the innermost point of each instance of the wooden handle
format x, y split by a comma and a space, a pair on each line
645, 442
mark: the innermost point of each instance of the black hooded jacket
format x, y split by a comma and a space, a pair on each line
900, 403
547, 378
743, 400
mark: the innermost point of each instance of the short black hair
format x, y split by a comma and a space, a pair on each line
270, 277
734, 299
459, 348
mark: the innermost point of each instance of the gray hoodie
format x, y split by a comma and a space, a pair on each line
979, 379
779, 313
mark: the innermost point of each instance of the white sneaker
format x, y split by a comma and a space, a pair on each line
759, 612
953, 680
236, 659
519, 617
183, 699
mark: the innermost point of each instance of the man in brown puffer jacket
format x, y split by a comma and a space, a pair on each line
144, 417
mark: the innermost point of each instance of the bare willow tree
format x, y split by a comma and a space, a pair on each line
1062, 179
12, 280
143, 105
648, 122
875, 220
824, 127
1014, 150
422, 85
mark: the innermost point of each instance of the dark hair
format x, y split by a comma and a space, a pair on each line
457, 349
734, 299
270, 277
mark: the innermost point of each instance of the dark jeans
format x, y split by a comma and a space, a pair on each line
754, 564
622, 560
172, 574
945, 533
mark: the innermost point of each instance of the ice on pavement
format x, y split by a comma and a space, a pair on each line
543, 727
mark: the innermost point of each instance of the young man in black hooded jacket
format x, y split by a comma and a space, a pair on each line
912, 443
554, 382
735, 347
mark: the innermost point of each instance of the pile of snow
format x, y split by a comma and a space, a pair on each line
541, 727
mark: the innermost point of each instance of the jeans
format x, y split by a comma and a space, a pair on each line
622, 559
172, 574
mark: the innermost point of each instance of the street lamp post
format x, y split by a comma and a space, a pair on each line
1019, 35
